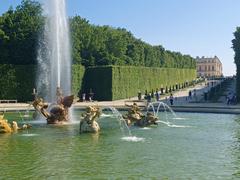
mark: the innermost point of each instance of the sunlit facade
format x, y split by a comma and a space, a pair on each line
209, 67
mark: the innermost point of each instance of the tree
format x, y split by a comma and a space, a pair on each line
20, 31
21, 27
236, 48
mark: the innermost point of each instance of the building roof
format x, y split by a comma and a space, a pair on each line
208, 59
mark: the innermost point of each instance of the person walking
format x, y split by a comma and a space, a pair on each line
190, 94
195, 94
157, 95
152, 94
171, 99
90, 95
83, 97
146, 94
149, 98
139, 95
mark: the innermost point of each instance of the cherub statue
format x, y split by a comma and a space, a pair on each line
88, 122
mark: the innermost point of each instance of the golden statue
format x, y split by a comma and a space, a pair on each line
137, 118
88, 122
58, 112
6, 127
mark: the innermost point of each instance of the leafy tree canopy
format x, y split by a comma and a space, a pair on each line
93, 45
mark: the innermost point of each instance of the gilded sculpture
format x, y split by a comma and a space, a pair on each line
56, 113
137, 118
89, 118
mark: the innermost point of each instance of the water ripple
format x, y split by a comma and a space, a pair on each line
133, 139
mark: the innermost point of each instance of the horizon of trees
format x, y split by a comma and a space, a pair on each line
92, 45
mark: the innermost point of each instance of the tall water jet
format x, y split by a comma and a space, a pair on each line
54, 57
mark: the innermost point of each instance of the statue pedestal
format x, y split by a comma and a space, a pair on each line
92, 128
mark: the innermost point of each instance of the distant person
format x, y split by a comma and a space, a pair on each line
146, 94
83, 97
171, 99
152, 94
161, 90
195, 94
234, 99
90, 96
229, 98
157, 96
139, 95
149, 98
190, 94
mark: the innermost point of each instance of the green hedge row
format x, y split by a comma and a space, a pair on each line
118, 82
77, 78
17, 81
127, 81
99, 81
106, 82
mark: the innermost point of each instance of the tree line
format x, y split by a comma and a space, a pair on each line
92, 45
236, 48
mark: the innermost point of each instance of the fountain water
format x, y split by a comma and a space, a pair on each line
127, 134
54, 57
122, 123
159, 104
166, 110
25, 114
54, 63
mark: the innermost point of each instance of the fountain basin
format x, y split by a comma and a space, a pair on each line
208, 148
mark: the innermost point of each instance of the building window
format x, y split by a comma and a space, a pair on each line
212, 68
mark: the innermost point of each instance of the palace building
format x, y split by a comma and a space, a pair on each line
209, 67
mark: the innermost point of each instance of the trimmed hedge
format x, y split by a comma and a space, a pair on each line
118, 82
17, 81
7, 82
78, 72
106, 82
99, 80
127, 81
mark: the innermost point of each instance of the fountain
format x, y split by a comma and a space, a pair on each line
126, 132
89, 119
122, 123
89, 122
159, 105
166, 109
54, 64
137, 118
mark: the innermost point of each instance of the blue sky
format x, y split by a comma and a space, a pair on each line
195, 27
